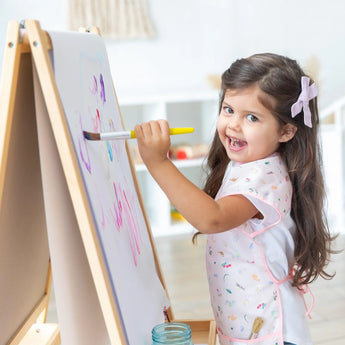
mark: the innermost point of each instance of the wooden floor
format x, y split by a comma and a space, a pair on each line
183, 268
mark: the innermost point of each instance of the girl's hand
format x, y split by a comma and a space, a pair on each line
153, 141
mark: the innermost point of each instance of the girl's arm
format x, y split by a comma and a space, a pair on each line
198, 208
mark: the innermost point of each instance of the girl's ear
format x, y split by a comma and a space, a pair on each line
287, 132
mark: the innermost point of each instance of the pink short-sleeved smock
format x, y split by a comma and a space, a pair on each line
248, 267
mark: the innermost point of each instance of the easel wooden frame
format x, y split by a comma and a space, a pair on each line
34, 313
37, 43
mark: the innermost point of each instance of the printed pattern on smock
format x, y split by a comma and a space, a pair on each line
241, 284
266, 182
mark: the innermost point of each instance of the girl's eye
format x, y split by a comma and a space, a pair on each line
228, 110
252, 118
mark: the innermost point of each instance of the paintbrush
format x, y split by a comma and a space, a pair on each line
129, 134
257, 325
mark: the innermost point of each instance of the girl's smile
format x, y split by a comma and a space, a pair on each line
236, 144
247, 129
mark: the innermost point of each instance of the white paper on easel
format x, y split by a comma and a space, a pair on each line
85, 86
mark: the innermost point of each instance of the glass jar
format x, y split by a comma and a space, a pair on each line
177, 333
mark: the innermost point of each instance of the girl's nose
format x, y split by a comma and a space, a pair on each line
234, 122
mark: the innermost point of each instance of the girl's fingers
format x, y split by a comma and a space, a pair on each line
164, 127
138, 131
153, 128
153, 141
147, 129
158, 127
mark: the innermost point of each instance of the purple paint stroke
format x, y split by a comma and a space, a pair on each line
94, 88
86, 162
102, 92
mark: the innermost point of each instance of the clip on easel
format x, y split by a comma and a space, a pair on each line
27, 118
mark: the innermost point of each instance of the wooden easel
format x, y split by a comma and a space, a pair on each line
19, 135
25, 262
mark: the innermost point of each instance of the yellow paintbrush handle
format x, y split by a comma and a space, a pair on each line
181, 130
173, 131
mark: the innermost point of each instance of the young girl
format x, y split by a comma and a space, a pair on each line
262, 205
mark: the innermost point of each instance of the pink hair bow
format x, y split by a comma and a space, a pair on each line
308, 93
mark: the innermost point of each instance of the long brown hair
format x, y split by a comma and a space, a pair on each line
280, 78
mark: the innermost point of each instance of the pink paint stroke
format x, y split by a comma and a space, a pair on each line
97, 125
117, 209
134, 227
123, 210
133, 231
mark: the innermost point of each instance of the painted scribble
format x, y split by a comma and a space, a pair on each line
133, 228
85, 158
96, 122
96, 119
122, 214
118, 207
110, 151
110, 215
126, 217
102, 91
94, 87
115, 145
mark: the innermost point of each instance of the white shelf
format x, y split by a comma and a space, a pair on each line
185, 163
196, 108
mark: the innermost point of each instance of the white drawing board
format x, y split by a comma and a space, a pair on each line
85, 86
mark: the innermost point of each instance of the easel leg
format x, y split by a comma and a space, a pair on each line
8, 94
25, 294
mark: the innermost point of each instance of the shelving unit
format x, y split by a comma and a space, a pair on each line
184, 108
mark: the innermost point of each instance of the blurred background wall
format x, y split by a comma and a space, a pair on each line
193, 39
171, 48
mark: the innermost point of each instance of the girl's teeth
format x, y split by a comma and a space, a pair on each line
236, 142
233, 142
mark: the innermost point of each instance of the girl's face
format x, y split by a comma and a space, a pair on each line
246, 128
